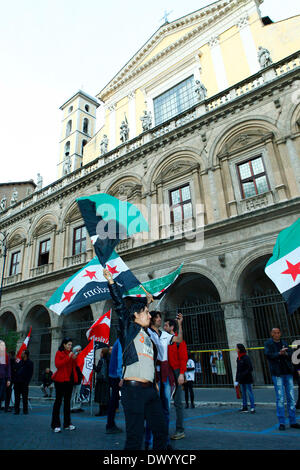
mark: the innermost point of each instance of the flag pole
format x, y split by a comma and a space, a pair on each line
142, 287
93, 377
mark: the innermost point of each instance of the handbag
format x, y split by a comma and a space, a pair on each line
238, 392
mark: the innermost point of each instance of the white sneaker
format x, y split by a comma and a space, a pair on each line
70, 428
57, 429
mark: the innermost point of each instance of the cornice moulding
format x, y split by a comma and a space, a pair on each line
125, 75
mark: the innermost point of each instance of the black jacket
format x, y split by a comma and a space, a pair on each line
24, 371
276, 360
47, 378
128, 330
244, 370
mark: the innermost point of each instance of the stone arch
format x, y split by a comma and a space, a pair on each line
76, 324
37, 316
126, 186
8, 320
294, 119
242, 134
240, 269
180, 160
71, 208
72, 213
17, 237
44, 224
197, 271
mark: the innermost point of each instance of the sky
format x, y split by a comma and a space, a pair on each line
49, 49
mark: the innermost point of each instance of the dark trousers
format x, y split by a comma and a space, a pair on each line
113, 402
8, 396
21, 388
188, 389
141, 403
178, 403
63, 392
3, 388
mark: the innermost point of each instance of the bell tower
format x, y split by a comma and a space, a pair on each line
78, 127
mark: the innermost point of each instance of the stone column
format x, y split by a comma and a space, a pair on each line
236, 329
292, 165
66, 243
56, 339
208, 209
230, 198
278, 172
219, 192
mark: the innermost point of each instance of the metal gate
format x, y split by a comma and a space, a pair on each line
204, 330
264, 312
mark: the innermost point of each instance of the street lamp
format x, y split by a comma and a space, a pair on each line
4, 244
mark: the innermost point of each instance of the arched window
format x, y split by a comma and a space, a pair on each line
70, 109
84, 142
85, 125
87, 108
69, 128
67, 148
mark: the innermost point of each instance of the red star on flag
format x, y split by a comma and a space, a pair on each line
139, 295
293, 270
68, 295
112, 270
90, 274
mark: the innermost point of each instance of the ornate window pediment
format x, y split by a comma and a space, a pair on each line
44, 227
16, 240
244, 140
176, 169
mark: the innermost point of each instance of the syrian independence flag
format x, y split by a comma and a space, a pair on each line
100, 330
85, 362
89, 285
157, 287
284, 266
108, 221
23, 346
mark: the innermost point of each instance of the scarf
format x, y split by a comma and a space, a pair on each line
240, 355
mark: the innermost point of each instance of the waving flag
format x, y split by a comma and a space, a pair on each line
284, 266
23, 346
99, 331
85, 362
108, 221
157, 287
89, 285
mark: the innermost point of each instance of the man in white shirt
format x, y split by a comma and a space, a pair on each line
190, 379
165, 375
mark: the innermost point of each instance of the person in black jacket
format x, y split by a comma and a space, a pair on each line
139, 393
279, 356
244, 377
24, 371
47, 383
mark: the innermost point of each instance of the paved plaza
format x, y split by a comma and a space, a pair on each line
214, 424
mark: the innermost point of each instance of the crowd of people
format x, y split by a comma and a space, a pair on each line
147, 366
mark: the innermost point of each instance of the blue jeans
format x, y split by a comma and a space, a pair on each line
247, 388
284, 383
165, 395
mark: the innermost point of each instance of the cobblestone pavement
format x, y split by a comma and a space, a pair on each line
206, 428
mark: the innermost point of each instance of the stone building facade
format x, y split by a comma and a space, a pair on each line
216, 182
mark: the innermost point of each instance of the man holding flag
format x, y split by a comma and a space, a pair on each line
283, 268
139, 394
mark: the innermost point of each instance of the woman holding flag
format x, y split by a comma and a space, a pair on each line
64, 378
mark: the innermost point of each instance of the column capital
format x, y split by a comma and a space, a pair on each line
243, 22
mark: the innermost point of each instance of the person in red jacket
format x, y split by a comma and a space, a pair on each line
177, 358
64, 378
